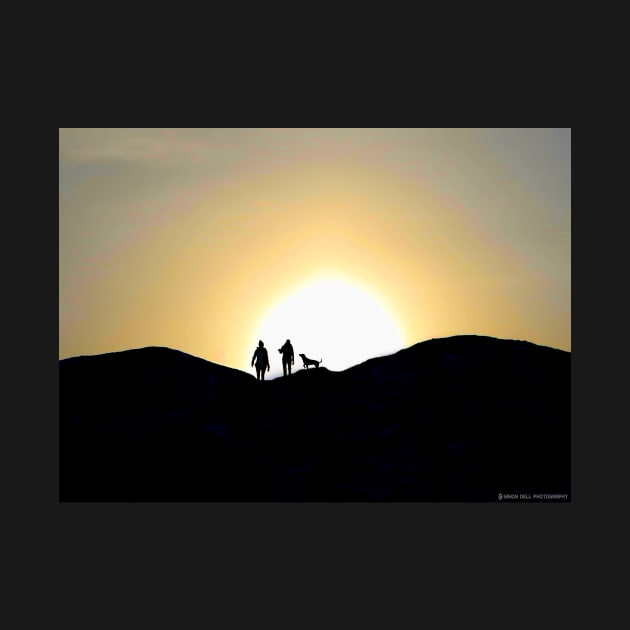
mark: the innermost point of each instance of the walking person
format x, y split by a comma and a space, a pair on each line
262, 361
287, 357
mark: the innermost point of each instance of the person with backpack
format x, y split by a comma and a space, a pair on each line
287, 357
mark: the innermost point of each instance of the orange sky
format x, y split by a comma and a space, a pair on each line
189, 238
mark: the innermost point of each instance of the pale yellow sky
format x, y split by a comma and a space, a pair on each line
189, 238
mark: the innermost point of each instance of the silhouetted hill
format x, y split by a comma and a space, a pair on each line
459, 418
151, 382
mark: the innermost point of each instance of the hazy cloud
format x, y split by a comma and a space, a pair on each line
160, 148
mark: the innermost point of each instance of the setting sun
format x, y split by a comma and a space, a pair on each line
352, 243
329, 319
404, 294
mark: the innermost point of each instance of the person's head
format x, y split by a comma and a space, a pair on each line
260, 344
288, 341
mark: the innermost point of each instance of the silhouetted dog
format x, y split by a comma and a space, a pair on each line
308, 361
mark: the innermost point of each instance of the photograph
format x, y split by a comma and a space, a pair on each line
327, 314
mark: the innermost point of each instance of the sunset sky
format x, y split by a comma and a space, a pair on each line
353, 243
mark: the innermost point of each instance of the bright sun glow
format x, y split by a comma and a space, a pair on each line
330, 320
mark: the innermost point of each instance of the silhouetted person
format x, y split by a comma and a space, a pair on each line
287, 357
262, 361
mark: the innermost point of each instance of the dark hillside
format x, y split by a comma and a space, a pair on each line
460, 418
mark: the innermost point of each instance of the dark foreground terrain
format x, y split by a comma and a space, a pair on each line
456, 419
